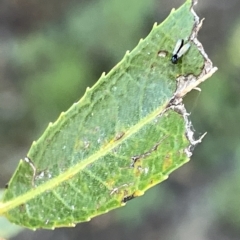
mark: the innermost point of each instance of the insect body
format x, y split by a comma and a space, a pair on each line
179, 50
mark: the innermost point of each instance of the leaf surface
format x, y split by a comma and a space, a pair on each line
127, 133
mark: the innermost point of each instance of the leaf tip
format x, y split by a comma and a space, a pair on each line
103, 75
165, 177
173, 10
155, 25
141, 40
62, 114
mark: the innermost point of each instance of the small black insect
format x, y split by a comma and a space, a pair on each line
179, 50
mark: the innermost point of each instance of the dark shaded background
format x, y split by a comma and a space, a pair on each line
50, 51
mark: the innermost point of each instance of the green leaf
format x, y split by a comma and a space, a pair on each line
7, 229
127, 133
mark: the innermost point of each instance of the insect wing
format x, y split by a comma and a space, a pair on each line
178, 45
183, 50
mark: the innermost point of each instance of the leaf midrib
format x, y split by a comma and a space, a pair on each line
72, 171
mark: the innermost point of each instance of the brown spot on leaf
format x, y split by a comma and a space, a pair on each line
128, 198
119, 136
22, 208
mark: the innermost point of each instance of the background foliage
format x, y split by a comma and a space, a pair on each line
50, 51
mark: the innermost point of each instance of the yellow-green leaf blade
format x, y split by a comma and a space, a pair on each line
120, 139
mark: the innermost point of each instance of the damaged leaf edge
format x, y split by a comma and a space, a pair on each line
187, 83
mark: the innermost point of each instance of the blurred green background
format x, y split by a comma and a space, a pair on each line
50, 51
